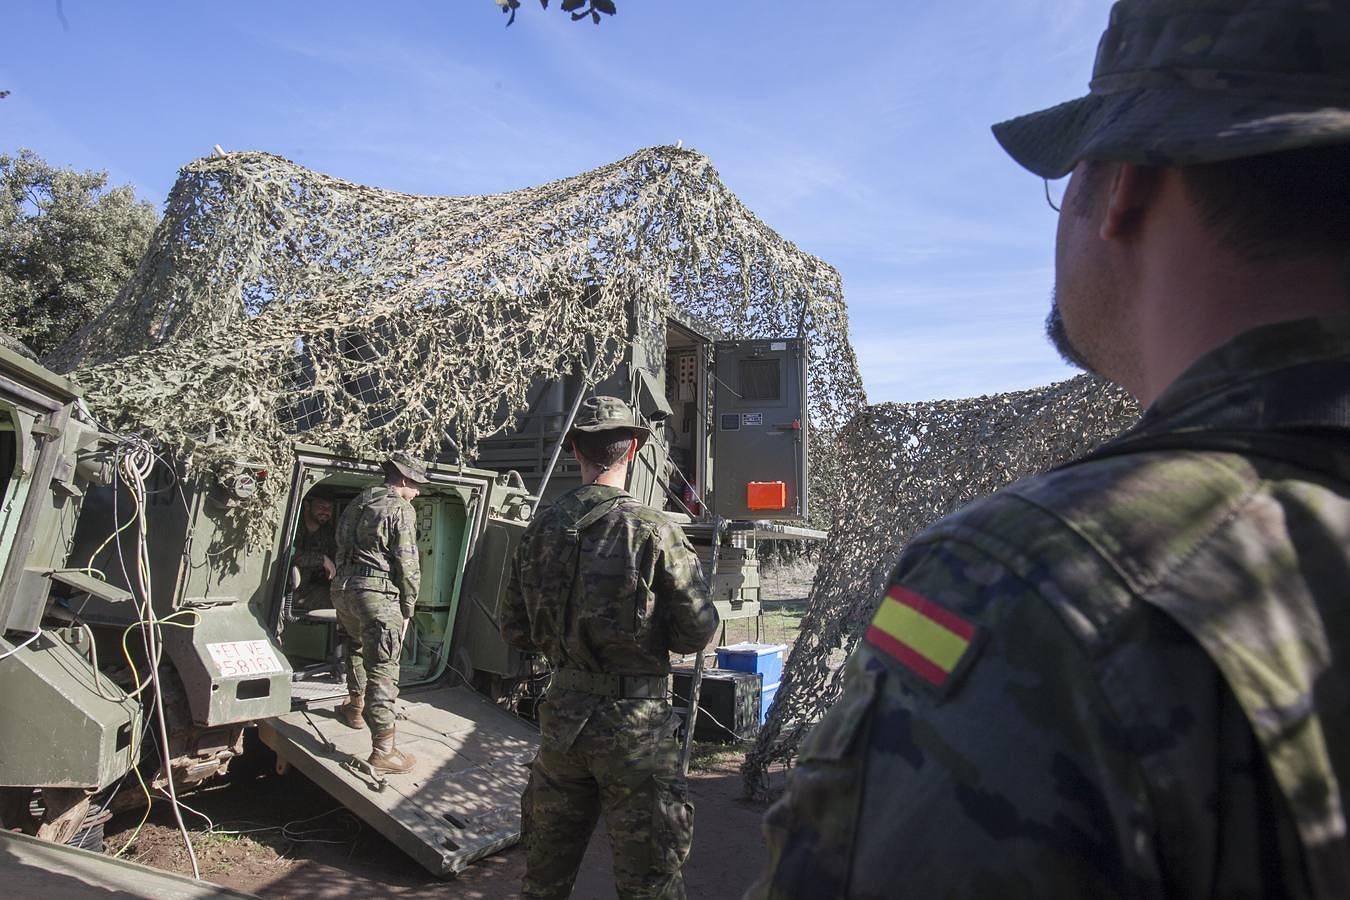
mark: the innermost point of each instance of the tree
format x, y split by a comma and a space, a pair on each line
68, 243
579, 9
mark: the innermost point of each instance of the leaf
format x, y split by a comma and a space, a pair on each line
572, 5
605, 6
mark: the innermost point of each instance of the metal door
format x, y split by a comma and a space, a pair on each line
759, 429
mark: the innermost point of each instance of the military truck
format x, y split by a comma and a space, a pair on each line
115, 563
730, 454
113, 559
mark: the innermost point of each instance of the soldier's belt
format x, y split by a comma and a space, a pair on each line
619, 687
352, 571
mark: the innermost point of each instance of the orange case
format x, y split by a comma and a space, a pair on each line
766, 495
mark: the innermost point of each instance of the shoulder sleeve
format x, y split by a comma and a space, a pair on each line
515, 616
690, 617
968, 756
405, 568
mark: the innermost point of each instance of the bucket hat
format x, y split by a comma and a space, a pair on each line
409, 468
606, 414
1186, 82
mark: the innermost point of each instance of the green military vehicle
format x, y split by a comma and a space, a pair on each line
111, 557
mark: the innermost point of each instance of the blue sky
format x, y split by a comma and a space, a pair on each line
859, 131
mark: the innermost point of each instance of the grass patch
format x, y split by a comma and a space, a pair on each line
708, 755
779, 626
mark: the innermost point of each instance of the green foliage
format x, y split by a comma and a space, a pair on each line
580, 9
68, 243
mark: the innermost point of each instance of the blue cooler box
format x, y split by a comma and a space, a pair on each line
766, 660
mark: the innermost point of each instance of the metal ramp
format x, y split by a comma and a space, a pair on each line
313, 692
462, 800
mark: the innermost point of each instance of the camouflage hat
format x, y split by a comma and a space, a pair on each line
409, 468
1184, 82
606, 414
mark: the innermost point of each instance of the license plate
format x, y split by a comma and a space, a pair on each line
241, 658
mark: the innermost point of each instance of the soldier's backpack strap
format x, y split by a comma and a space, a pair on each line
572, 569
1277, 696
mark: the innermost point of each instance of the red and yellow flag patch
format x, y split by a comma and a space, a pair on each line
923, 637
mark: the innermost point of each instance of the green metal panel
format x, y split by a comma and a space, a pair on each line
307, 641
15, 426
58, 730
42, 496
230, 668
760, 426
477, 634
38, 377
205, 573
444, 525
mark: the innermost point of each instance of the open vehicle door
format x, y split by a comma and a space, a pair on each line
462, 799
759, 429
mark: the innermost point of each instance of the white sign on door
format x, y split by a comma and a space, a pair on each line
243, 658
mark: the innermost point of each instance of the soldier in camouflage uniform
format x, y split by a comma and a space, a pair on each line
315, 547
605, 589
374, 593
1130, 677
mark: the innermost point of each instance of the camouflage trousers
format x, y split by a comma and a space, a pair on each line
632, 776
373, 625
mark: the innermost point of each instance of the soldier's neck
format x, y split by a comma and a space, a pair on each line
615, 476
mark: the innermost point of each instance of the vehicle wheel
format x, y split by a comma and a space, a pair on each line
64, 811
15, 810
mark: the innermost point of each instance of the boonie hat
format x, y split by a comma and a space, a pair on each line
606, 414
1185, 82
409, 468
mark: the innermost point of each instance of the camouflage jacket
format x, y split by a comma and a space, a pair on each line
636, 594
1128, 677
312, 546
377, 546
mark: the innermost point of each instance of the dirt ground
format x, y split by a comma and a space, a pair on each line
280, 836
333, 855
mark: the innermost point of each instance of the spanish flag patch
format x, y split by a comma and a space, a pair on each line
932, 642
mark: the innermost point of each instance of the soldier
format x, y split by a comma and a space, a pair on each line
606, 588
315, 547
375, 592
1130, 677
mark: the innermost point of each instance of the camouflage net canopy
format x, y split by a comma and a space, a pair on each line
278, 304
901, 468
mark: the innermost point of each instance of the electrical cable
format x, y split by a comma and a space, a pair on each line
159, 648
704, 712
289, 830
93, 662
17, 647
135, 462
210, 825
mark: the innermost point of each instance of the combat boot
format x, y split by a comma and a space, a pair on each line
387, 759
350, 712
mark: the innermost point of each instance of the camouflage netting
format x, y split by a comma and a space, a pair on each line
902, 467
278, 304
